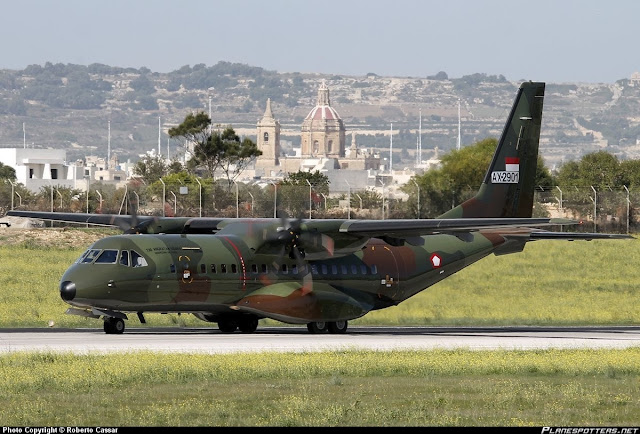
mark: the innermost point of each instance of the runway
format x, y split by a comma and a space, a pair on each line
297, 339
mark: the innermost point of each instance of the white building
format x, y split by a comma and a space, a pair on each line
36, 168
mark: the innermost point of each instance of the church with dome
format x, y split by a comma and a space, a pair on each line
322, 144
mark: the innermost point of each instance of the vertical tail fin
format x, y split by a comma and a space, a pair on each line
508, 186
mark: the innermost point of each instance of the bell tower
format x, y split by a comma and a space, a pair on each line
268, 139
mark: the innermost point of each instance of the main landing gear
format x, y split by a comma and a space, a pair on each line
246, 324
334, 327
113, 326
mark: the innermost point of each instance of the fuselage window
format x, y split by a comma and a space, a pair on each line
263, 267
89, 256
324, 269
213, 268
203, 268
363, 268
138, 260
343, 268
284, 269
334, 269
107, 257
314, 269
294, 269
254, 268
223, 268
374, 269
172, 268
354, 269
234, 268
124, 258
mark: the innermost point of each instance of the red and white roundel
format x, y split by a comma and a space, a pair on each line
436, 260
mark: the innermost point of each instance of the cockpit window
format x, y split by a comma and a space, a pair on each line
107, 257
89, 256
124, 258
137, 260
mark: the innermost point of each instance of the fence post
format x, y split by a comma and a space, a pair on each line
594, 199
628, 210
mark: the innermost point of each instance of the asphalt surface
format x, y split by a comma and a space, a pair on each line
297, 339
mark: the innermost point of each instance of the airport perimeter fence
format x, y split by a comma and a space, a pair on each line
606, 209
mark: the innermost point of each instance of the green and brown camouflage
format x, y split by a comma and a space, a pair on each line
322, 272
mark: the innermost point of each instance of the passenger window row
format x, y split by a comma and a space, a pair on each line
321, 269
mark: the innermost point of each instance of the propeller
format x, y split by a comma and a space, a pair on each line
291, 236
134, 224
295, 239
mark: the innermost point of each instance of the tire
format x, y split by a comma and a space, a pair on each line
248, 324
227, 325
114, 326
317, 327
108, 327
338, 327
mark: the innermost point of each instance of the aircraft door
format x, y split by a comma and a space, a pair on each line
380, 258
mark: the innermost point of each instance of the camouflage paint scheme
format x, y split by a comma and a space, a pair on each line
314, 272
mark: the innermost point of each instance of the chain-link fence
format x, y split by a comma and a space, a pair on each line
600, 209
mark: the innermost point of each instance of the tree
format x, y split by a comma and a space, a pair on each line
238, 155
319, 181
7, 172
220, 150
597, 169
630, 172
150, 168
297, 195
194, 128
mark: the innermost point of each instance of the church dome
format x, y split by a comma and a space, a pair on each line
323, 132
323, 109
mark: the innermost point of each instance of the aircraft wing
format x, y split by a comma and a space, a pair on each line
94, 219
410, 228
570, 236
391, 230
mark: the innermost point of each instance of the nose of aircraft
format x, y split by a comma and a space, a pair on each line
67, 290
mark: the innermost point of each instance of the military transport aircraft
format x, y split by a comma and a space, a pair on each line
321, 273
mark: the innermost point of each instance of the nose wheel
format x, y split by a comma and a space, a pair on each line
113, 326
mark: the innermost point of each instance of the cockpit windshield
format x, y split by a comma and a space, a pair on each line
107, 257
127, 258
89, 256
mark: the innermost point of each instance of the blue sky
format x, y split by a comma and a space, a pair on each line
545, 40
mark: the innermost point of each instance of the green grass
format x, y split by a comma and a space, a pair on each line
359, 388
549, 283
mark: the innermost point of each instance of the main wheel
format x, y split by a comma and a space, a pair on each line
113, 326
248, 324
317, 327
338, 327
227, 325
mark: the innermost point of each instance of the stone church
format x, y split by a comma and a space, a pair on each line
322, 143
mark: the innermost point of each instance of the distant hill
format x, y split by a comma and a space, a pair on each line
69, 106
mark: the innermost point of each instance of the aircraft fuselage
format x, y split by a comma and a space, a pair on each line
220, 273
